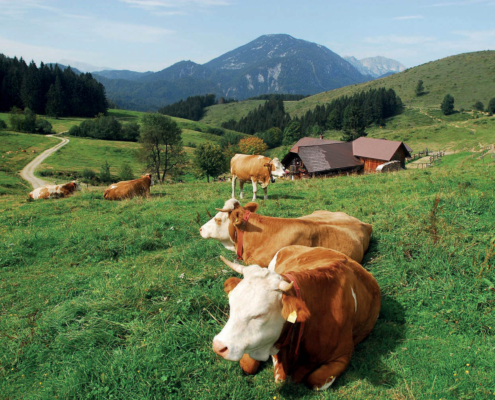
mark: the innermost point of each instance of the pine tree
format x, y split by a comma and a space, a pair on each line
448, 105
419, 88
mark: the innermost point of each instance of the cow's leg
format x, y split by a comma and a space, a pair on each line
241, 185
265, 190
325, 376
278, 370
233, 186
248, 365
255, 189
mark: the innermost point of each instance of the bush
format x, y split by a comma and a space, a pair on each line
215, 131
46, 172
125, 173
43, 127
230, 138
105, 175
88, 174
252, 145
130, 132
3, 125
479, 106
191, 144
75, 131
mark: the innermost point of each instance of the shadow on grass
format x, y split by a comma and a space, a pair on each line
283, 197
366, 362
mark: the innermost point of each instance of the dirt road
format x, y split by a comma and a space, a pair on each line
28, 171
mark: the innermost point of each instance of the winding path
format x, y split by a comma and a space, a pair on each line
27, 172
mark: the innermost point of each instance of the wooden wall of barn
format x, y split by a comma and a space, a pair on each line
370, 164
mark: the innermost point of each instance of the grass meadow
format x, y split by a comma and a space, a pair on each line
121, 300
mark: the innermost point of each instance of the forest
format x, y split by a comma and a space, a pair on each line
49, 90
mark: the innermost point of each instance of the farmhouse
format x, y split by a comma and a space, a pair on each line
314, 157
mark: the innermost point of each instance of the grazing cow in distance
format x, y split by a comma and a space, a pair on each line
129, 189
308, 311
257, 238
55, 191
255, 169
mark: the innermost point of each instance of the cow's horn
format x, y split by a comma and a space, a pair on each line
223, 210
285, 286
236, 267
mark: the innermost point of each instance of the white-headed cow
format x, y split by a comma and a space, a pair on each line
257, 238
255, 169
308, 311
55, 191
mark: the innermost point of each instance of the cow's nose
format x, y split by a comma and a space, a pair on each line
200, 229
220, 348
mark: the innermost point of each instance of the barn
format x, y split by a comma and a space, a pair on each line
311, 157
375, 152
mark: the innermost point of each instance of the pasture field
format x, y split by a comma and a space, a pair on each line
219, 113
121, 300
62, 124
81, 153
11, 164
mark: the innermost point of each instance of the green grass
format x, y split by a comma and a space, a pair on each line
217, 114
122, 299
81, 153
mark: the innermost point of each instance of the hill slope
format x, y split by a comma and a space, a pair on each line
468, 77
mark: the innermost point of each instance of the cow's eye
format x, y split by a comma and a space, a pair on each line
259, 316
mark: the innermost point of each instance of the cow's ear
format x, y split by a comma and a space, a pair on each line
230, 284
294, 309
266, 165
251, 207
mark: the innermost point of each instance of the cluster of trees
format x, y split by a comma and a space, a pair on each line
49, 90
479, 106
193, 107
271, 114
284, 97
106, 128
352, 114
27, 121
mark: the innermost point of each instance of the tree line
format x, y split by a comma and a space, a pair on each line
106, 128
49, 90
193, 107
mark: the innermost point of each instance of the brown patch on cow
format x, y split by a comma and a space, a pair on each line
44, 193
290, 303
230, 284
248, 365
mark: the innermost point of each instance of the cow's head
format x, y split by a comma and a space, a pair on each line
259, 306
150, 178
77, 185
276, 168
218, 227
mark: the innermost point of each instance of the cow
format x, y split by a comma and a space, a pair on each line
257, 238
129, 189
308, 310
55, 191
255, 169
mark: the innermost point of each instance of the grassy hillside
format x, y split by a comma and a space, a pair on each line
468, 77
122, 299
220, 113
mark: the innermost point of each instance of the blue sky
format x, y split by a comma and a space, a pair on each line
151, 35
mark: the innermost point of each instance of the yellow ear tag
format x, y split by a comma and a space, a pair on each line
292, 317
228, 295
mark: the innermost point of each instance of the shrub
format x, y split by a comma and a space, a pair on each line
3, 125
75, 131
43, 127
125, 173
105, 175
88, 174
252, 145
215, 131
479, 106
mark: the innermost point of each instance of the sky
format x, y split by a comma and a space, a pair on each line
150, 35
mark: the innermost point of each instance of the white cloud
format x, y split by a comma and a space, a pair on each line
173, 7
409, 17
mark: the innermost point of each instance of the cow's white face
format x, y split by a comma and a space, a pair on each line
278, 169
255, 321
218, 227
77, 185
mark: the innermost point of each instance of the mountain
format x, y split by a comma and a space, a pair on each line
376, 66
63, 67
123, 74
82, 66
268, 64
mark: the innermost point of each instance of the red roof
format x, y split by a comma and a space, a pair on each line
309, 141
377, 149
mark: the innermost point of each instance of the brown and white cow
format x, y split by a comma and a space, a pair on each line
129, 189
263, 236
55, 191
254, 169
308, 311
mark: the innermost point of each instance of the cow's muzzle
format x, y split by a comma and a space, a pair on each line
221, 349
272, 179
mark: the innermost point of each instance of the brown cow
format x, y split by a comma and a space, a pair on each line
55, 191
308, 310
129, 189
263, 236
255, 169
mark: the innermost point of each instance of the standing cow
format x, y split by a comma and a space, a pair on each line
256, 238
129, 189
308, 311
55, 191
255, 169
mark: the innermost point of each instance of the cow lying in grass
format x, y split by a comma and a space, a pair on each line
129, 189
257, 238
308, 311
255, 169
55, 191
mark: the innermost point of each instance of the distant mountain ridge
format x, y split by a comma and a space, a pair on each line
376, 66
269, 64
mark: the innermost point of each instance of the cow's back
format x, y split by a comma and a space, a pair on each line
127, 189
